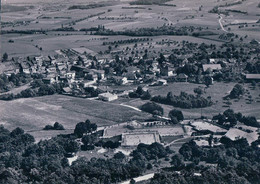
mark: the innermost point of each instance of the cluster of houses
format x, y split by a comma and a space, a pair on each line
79, 68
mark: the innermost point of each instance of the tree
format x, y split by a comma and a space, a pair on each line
176, 114
177, 161
210, 139
139, 90
152, 108
89, 139
84, 127
237, 91
208, 80
16, 132
146, 95
58, 126
119, 155
132, 181
198, 91
5, 56
71, 146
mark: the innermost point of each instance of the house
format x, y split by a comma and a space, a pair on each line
51, 69
107, 96
255, 77
25, 68
77, 68
87, 62
182, 77
167, 71
49, 80
162, 82
100, 73
70, 75
154, 67
119, 80
60, 66
130, 76
91, 76
212, 67
67, 90
104, 89
63, 79
10, 68
212, 61
88, 83
33, 70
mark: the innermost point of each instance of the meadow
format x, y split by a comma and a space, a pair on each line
216, 91
32, 114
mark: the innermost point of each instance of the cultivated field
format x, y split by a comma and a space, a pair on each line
119, 17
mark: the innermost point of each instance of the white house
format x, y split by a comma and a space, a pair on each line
107, 96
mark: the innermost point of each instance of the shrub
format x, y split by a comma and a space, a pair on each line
176, 114
152, 108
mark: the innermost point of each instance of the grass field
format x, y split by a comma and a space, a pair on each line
33, 114
216, 91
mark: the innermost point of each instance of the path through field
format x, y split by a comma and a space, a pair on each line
221, 25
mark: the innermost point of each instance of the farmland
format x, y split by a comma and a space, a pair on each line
119, 17
34, 113
113, 91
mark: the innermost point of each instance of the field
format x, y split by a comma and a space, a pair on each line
216, 91
119, 17
162, 130
33, 114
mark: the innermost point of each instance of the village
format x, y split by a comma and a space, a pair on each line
83, 73
118, 91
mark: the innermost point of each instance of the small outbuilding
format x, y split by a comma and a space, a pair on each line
107, 97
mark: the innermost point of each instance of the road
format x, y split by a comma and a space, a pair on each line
132, 107
17, 90
221, 25
140, 178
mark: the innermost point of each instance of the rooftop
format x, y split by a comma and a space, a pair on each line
252, 76
212, 67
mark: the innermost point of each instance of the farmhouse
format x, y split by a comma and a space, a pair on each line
133, 139
212, 67
182, 77
107, 97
